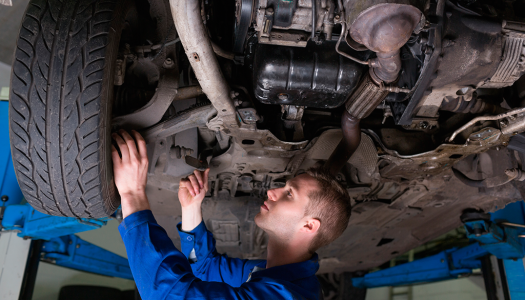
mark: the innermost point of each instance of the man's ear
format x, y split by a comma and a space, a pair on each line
312, 225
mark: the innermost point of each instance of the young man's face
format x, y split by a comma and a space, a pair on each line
283, 213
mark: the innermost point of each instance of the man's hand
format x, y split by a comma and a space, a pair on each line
130, 171
191, 193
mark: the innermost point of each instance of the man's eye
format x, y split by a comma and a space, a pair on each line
289, 194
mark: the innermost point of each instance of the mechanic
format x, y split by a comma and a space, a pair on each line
309, 212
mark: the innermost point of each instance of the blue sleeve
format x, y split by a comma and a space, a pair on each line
162, 272
210, 265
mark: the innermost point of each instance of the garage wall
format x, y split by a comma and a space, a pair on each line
51, 278
10, 20
5, 71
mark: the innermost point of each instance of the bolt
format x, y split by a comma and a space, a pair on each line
5, 198
337, 17
505, 143
282, 97
423, 124
78, 246
269, 10
168, 63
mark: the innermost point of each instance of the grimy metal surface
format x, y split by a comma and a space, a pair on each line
151, 113
198, 48
384, 29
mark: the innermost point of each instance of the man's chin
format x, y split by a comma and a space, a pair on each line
258, 220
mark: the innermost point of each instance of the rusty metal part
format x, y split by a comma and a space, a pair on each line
366, 98
344, 54
363, 101
221, 52
198, 48
347, 146
395, 89
384, 29
191, 118
386, 66
441, 159
152, 112
328, 23
515, 174
474, 106
517, 127
485, 183
513, 125
422, 124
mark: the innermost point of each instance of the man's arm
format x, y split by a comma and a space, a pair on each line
159, 269
198, 244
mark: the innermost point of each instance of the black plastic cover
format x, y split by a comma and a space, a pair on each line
315, 76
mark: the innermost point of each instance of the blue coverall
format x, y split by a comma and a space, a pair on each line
163, 272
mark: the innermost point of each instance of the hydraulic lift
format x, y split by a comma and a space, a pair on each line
28, 236
498, 249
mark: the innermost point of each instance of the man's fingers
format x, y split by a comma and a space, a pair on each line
198, 175
206, 173
123, 147
131, 144
194, 183
115, 156
186, 184
141, 143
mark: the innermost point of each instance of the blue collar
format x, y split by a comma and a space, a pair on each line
290, 272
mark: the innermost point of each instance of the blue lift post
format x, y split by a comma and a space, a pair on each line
502, 237
60, 245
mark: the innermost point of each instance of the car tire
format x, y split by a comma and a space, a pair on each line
60, 106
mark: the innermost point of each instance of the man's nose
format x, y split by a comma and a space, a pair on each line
272, 195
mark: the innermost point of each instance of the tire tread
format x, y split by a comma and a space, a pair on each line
57, 106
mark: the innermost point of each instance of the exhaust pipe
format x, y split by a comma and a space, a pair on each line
347, 146
383, 28
198, 47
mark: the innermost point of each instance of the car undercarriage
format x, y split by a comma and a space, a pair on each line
415, 106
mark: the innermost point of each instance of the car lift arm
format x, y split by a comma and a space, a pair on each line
70, 251
501, 237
